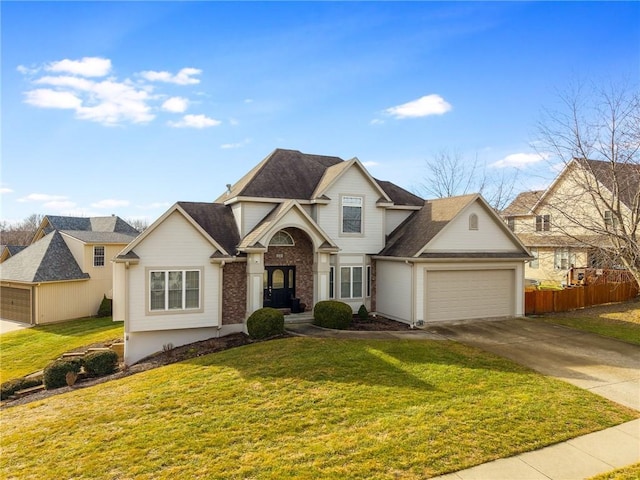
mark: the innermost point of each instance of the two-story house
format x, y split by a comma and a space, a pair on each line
301, 228
66, 270
570, 223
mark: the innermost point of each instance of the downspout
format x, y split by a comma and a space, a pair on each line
220, 293
413, 294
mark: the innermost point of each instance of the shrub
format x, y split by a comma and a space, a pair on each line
332, 314
265, 322
101, 362
363, 313
105, 309
55, 374
12, 386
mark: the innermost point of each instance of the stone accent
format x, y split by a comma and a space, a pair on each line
299, 255
234, 293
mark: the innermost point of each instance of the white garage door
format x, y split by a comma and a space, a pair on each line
463, 294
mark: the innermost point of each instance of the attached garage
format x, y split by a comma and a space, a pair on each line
465, 294
15, 304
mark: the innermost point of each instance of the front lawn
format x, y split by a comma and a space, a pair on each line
621, 321
25, 351
302, 408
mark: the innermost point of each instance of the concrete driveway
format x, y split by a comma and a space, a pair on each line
10, 325
607, 367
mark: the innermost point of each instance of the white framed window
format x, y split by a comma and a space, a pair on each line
610, 220
98, 256
282, 239
350, 282
563, 258
543, 223
473, 222
174, 290
352, 214
332, 287
535, 263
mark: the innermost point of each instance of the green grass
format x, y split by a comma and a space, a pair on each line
621, 321
302, 408
632, 472
31, 349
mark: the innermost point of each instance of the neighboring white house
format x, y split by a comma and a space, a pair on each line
300, 228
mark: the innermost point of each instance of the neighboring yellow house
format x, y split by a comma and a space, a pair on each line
563, 226
66, 270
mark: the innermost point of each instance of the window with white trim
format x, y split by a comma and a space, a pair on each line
98, 256
564, 259
610, 220
535, 263
543, 223
174, 290
281, 239
351, 214
350, 282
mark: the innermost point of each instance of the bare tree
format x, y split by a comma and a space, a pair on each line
595, 132
21, 233
450, 174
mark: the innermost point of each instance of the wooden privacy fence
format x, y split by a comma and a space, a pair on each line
571, 298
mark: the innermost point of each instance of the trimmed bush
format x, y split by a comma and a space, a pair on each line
102, 362
265, 322
12, 386
363, 313
55, 374
332, 314
105, 309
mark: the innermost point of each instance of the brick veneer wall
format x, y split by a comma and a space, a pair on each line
301, 256
234, 293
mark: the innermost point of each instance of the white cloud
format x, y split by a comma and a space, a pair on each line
195, 121
175, 104
86, 67
47, 98
109, 101
424, 106
183, 77
4, 190
376, 121
42, 197
241, 144
518, 160
248, 100
110, 203
370, 164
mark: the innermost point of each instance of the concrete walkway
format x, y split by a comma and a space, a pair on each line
604, 366
11, 325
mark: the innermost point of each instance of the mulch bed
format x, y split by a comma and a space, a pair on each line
377, 324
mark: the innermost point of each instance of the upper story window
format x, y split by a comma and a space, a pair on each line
543, 223
610, 220
473, 222
511, 223
98, 256
351, 214
281, 238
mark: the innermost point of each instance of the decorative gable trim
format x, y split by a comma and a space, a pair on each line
335, 172
175, 208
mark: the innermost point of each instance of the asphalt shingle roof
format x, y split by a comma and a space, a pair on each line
217, 220
47, 260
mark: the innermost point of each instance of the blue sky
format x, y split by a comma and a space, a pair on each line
127, 107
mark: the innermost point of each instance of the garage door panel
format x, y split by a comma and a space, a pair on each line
15, 304
465, 294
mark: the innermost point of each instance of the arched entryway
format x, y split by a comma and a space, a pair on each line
288, 269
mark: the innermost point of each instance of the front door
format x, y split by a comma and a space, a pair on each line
279, 286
